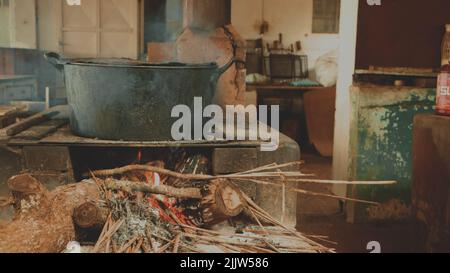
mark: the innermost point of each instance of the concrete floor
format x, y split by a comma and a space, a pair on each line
322, 216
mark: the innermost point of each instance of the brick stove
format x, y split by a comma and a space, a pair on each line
50, 152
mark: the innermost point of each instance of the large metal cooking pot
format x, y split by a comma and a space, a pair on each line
117, 99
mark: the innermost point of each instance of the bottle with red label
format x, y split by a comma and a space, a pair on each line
443, 92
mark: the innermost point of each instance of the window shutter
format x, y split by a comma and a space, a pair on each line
326, 15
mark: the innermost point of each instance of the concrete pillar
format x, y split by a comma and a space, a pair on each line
347, 60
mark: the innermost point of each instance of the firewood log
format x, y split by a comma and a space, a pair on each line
222, 201
43, 221
28, 194
129, 186
91, 215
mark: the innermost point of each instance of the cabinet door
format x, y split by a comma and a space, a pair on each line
100, 28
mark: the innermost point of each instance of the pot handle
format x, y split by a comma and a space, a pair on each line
224, 68
219, 72
54, 59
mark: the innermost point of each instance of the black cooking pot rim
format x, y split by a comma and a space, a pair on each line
136, 64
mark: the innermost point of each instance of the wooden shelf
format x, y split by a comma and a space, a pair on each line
282, 87
411, 73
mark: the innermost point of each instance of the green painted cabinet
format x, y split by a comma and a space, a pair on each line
381, 147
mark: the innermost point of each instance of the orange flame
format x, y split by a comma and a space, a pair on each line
139, 156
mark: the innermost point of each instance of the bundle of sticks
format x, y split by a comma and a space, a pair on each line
270, 237
268, 175
223, 200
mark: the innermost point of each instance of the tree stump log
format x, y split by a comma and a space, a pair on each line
90, 215
29, 195
43, 221
222, 201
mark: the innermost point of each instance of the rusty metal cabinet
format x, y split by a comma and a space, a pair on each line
381, 129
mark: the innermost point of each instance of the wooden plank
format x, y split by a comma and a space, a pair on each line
42, 130
398, 72
6, 110
37, 119
7, 115
64, 137
25, 124
4, 139
12, 78
282, 87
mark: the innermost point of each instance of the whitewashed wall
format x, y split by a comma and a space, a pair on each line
48, 25
4, 27
18, 24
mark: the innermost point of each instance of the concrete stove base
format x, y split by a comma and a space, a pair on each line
277, 201
51, 162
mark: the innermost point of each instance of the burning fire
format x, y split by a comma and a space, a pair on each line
139, 156
167, 207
